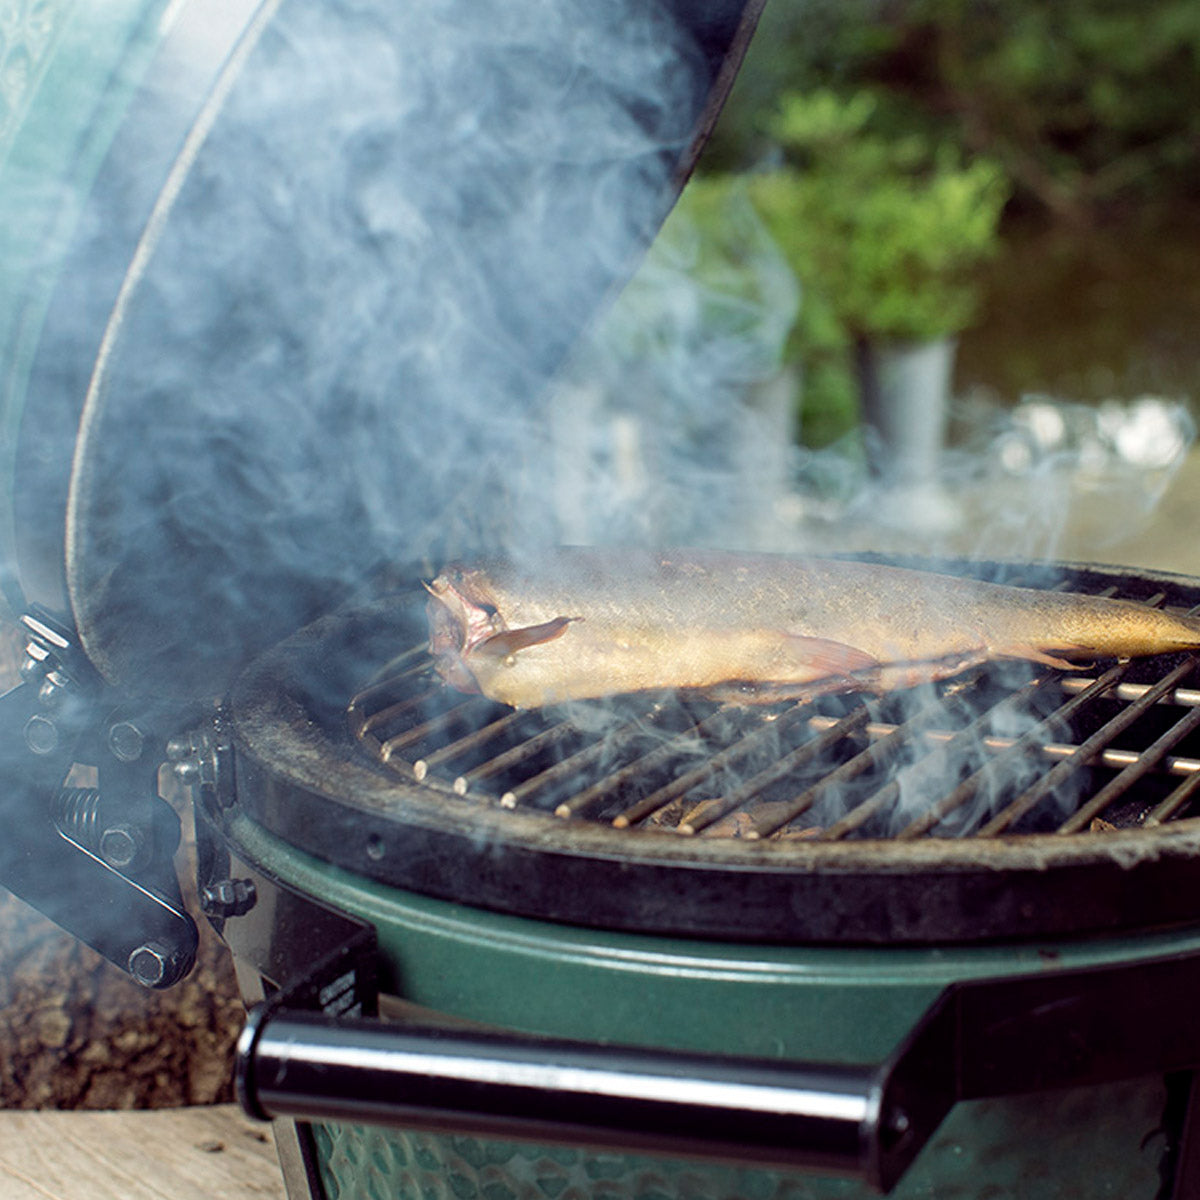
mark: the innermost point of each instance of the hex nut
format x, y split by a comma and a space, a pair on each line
126, 741
154, 966
121, 845
228, 898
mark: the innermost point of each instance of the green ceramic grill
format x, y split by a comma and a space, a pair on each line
284, 283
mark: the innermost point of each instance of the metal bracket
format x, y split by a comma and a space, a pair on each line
96, 860
1029, 1033
326, 966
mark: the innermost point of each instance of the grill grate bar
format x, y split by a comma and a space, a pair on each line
392, 712
368, 697
423, 729
1177, 800
661, 797
1146, 762
696, 823
513, 757
1181, 697
466, 743
1085, 752
566, 767
592, 795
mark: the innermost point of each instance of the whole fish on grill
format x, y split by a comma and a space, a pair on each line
586, 623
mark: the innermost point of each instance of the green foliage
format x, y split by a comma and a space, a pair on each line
1087, 102
1088, 105
882, 225
884, 229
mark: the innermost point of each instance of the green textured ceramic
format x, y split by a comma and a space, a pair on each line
807, 1003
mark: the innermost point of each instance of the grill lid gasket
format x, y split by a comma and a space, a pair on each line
300, 775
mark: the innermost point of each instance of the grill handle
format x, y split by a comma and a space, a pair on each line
754, 1111
988, 1037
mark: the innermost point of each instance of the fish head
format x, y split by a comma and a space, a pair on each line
473, 647
459, 620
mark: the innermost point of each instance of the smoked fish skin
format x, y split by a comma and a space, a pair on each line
586, 623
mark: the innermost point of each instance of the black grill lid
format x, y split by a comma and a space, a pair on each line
367, 216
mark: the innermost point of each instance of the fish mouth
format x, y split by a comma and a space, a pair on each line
456, 626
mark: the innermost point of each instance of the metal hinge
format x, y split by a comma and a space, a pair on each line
96, 858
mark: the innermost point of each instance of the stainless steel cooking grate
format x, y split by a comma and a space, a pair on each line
1004, 749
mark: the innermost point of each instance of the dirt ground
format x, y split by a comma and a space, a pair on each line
75, 1032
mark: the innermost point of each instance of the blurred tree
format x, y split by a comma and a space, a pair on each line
1089, 105
888, 227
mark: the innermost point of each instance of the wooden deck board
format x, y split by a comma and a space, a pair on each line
205, 1153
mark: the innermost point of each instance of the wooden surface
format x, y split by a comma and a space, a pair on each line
209, 1153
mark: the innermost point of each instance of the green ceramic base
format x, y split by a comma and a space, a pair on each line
814, 1003
1078, 1145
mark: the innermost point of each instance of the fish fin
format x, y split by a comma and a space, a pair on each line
513, 640
831, 658
1033, 654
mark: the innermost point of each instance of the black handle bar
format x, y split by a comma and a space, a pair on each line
988, 1037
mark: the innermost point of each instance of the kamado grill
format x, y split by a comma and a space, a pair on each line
943, 942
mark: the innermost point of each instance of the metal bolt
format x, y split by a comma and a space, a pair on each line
121, 845
896, 1128
154, 966
228, 897
126, 741
32, 668
41, 734
187, 771
179, 748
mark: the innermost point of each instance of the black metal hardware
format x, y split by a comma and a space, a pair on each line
228, 898
95, 860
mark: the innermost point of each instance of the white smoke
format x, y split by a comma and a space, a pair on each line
387, 243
